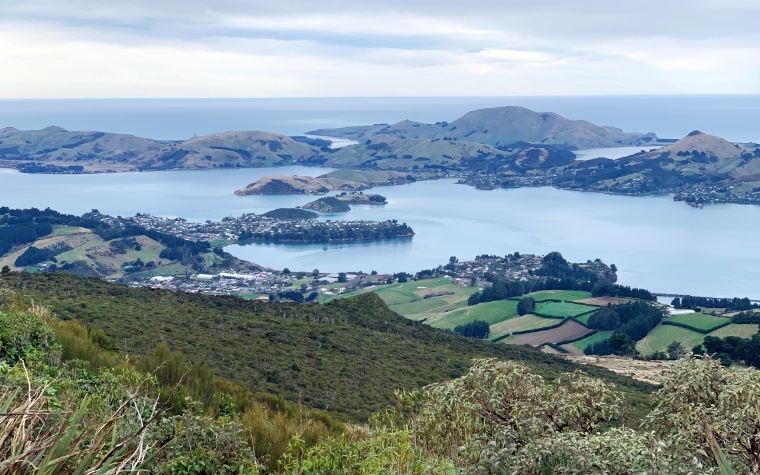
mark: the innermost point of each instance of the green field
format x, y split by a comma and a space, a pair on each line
745, 330
595, 338
557, 295
491, 312
698, 321
250, 296
64, 230
419, 306
562, 309
663, 335
516, 324
408, 299
583, 319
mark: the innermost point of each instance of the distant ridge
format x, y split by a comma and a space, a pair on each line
501, 126
102, 151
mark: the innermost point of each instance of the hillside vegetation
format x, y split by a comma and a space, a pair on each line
346, 356
75, 402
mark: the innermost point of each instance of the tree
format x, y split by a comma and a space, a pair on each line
6, 270
342, 277
613, 267
286, 271
315, 273
676, 351
475, 329
526, 306
676, 302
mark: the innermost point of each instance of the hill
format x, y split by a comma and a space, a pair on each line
229, 149
360, 198
57, 150
500, 126
290, 213
699, 168
91, 245
387, 152
298, 185
328, 204
62, 147
347, 356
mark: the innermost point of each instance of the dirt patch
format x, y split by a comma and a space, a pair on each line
603, 301
568, 331
647, 371
573, 350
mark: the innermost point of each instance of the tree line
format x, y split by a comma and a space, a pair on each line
630, 322
734, 304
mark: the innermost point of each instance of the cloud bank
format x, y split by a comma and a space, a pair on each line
333, 48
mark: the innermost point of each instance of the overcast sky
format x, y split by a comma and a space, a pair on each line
299, 48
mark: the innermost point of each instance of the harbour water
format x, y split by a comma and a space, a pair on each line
656, 243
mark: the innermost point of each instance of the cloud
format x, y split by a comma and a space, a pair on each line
237, 48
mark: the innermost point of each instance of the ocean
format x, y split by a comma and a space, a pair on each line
734, 118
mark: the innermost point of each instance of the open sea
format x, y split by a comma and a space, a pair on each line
656, 243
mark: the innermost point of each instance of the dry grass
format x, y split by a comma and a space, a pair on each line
38, 438
604, 301
647, 371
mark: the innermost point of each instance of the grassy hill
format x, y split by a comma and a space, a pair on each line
386, 152
297, 185
87, 245
346, 356
500, 126
697, 161
55, 149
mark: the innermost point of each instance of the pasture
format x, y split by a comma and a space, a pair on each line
663, 335
516, 324
595, 338
568, 331
492, 312
562, 309
698, 321
565, 295
744, 330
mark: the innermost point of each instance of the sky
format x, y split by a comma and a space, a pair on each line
350, 48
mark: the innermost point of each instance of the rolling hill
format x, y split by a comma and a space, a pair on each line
501, 126
55, 149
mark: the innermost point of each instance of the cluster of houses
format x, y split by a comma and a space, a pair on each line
224, 283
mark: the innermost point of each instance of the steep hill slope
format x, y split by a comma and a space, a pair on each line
347, 356
501, 126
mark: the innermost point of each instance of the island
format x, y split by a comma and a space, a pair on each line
329, 204
486, 148
290, 213
359, 198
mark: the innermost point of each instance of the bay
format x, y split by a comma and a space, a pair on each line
655, 242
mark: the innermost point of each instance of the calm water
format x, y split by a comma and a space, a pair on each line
655, 242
